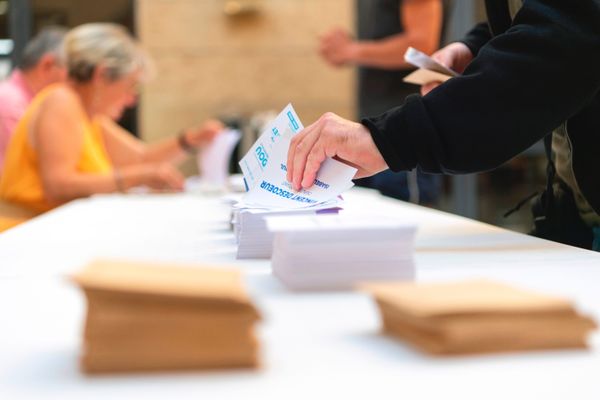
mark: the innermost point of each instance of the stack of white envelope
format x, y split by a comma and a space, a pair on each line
254, 238
336, 252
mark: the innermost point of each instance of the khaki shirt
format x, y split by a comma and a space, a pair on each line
563, 157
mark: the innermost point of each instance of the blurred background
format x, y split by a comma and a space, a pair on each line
237, 59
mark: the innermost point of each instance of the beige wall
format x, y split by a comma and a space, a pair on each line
211, 64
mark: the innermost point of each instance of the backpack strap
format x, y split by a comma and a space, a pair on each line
550, 172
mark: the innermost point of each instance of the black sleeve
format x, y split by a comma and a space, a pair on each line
521, 86
477, 37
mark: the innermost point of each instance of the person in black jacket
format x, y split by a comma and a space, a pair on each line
530, 70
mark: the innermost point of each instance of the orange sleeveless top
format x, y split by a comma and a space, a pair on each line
21, 183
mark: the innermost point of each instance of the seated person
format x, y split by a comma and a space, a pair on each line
67, 146
41, 65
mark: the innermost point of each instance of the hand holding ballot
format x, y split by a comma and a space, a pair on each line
331, 137
265, 168
430, 70
456, 56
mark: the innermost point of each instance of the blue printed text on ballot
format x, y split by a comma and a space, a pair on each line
284, 193
262, 156
317, 182
275, 134
293, 121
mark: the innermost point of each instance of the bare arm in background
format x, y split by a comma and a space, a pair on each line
422, 21
124, 149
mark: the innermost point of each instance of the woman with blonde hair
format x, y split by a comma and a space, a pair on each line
67, 145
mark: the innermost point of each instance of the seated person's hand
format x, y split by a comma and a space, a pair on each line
203, 134
159, 176
335, 137
337, 47
455, 56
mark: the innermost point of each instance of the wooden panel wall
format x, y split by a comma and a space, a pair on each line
211, 64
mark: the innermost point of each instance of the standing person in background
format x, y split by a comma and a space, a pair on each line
386, 28
41, 65
67, 145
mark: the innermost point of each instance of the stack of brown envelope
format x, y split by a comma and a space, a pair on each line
478, 317
153, 317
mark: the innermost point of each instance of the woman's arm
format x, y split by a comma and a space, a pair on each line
57, 136
124, 149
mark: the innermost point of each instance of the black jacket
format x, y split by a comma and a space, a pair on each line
529, 75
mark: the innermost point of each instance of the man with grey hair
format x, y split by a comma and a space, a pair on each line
41, 65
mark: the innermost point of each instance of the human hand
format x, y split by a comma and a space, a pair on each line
157, 176
203, 134
331, 136
337, 47
455, 56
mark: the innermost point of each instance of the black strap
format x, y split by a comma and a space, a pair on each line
550, 172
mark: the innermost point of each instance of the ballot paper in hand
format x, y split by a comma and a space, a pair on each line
213, 160
262, 155
265, 170
429, 69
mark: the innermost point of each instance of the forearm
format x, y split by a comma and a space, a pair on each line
389, 53
126, 150
421, 20
64, 187
166, 150
67, 186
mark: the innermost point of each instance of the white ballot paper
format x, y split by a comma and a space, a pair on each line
213, 160
429, 69
264, 168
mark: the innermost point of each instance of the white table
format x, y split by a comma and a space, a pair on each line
317, 345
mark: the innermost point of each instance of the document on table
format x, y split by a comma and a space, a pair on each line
213, 160
429, 69
264, 168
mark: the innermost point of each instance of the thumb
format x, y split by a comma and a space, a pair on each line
444, 58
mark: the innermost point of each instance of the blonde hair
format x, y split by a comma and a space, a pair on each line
90, 45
